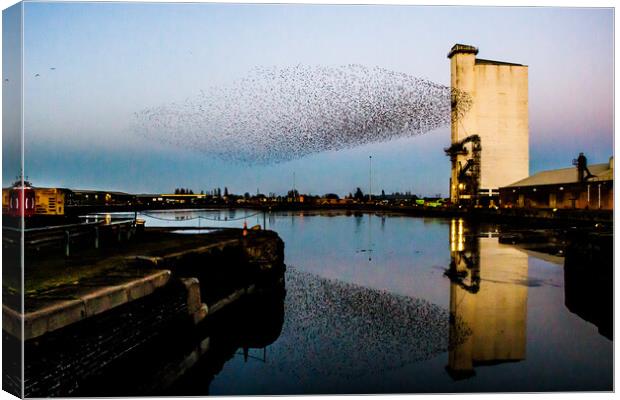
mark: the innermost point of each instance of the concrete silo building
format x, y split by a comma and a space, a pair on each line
490, 133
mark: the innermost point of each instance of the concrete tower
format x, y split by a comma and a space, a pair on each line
490, 141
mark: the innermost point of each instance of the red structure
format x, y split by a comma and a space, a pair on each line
19, 200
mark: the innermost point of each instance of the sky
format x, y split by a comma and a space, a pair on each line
112, 60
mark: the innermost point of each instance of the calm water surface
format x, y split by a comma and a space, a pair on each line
370, 309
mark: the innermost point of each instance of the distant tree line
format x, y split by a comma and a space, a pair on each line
217, 192
357, 195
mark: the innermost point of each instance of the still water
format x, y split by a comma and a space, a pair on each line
394, 304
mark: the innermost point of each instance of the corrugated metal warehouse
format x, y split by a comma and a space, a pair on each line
583, 186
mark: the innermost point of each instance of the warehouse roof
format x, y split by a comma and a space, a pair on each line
601, 172
91, 191
493, 62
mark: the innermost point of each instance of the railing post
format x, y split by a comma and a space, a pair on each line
67, 242
96, 237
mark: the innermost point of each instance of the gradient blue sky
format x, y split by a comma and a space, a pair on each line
113, 59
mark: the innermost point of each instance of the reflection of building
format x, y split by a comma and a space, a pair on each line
581, 187
488, 301
495, 94
589, 278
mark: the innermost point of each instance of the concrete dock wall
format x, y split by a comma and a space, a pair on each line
75, 331
57, 363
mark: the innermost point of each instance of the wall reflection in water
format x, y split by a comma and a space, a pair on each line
487, 298
184, 362
589, 279
246, 331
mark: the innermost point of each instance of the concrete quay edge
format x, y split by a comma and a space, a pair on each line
67, 312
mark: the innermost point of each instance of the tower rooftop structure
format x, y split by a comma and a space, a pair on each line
463, 49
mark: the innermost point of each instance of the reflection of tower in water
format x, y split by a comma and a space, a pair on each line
488, 301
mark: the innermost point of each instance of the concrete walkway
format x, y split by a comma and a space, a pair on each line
64, 305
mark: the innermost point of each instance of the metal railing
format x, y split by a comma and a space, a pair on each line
66, 235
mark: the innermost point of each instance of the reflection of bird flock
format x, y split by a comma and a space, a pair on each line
336, 330
280, 114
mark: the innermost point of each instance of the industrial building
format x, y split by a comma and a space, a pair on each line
582, 186
490, 138
79, 197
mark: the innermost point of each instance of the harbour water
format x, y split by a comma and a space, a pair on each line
393, 304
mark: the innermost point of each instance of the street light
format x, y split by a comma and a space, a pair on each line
369, 178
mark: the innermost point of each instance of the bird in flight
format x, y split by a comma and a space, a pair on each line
36, 75
53, 68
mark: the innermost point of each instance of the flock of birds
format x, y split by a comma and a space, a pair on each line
335, 330
280, 114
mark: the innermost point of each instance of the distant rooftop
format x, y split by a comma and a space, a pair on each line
492, 62
601, 172
89, 191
